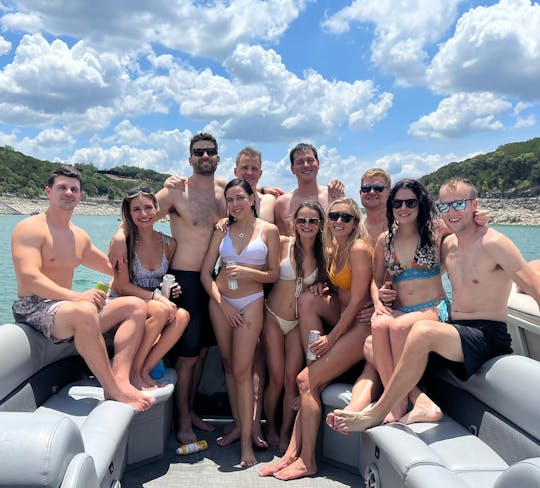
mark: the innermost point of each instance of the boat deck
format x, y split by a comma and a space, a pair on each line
218, 466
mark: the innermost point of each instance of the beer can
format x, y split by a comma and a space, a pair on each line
191, 448
166, 283
312, 337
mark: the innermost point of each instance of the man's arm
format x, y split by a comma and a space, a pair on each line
26, 245
94, 259
280, 209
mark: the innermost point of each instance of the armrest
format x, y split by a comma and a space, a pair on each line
36, 449
81, 473
523, 474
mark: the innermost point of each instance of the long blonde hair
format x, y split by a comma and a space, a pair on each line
359, 230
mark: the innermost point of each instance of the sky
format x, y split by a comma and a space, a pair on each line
407, 85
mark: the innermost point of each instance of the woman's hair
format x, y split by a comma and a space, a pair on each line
426, 211
130, 226
318, 248
359, 230
246, 187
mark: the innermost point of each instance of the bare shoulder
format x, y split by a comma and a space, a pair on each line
220, 182
31, 229
361, 247
269, 228
284, 199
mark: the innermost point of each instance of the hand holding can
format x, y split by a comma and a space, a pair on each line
166, 284
312, 337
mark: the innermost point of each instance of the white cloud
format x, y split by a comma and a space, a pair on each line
402, 31
209, 29
119, 155
23, 22
5, 46
523, 122
495, 49
461, 114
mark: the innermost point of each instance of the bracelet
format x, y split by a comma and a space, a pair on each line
262, 190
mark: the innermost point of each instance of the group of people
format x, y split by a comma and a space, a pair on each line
257, 274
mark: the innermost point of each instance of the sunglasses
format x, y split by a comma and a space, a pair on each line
345, 217
409, 203
142, 189
211, 151
368, 188
459, 205
305, 221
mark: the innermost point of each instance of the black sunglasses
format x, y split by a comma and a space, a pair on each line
345, 217
409, 203
142, 189
304, 221
211, 151
368, 188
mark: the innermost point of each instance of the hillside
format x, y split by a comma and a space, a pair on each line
24, 176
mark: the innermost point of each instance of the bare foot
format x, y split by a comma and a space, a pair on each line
248, 458
272, 436
330, 419
257, 436
424, 410
355, 421
185, 434
200, 424
399, 410
130, 395
229, 438
276, 466
296, 470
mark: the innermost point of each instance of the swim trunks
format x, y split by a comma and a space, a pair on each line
194, 299
39, 314
480, 340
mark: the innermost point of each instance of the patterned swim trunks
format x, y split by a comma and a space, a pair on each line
39, 314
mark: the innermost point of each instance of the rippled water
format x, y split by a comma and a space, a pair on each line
102, 228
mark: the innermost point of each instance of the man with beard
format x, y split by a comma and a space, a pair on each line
193, 212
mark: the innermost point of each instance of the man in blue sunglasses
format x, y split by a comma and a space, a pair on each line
481, 265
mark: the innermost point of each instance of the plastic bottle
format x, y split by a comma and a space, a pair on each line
191, 448
158, 371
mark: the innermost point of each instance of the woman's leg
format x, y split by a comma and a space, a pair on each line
244, 342
224, 335
170, 334
156, 318
346, 352
273, 342
294, 362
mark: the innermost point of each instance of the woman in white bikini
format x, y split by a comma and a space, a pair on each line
303, 263
249, 253
149, 253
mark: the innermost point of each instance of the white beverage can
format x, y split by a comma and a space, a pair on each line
312, 337
166, 284
232, 283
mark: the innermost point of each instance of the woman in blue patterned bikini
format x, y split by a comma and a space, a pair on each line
249, 253
407, 260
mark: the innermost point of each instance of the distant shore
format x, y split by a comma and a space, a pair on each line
503, 211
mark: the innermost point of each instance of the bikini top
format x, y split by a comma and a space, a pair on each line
343, 279
288, 273
254, 253
146, 278
425, 264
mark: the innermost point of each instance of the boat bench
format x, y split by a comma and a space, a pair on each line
56, 429
489, 436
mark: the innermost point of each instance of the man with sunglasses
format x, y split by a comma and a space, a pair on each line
481, 265
374, 187
305, 166
193, 212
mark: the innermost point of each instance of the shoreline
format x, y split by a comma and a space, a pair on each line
503, 211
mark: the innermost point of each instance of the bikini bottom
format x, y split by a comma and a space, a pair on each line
285, 325
241, 303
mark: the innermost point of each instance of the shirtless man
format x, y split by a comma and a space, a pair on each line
374, 188
305, 166
481, 265
46, 249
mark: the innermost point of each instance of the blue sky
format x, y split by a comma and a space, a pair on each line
407, 85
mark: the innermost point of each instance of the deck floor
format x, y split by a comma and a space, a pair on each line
218, 467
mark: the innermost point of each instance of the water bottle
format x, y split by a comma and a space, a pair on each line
191, 448
166, 284
232, 283
158, 371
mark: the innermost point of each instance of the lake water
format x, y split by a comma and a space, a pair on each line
102, 228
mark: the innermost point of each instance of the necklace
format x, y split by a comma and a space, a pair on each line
241, 235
